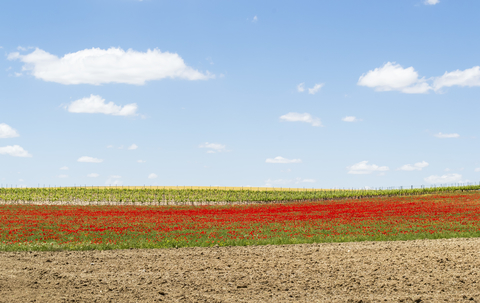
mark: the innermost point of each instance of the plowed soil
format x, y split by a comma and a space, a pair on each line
411, 271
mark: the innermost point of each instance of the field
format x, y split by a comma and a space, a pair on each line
73, 227
444, 270
344, 250
225, 244
183, 195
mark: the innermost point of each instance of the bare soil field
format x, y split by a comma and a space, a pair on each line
444, 270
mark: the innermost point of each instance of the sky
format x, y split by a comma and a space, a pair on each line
315, 94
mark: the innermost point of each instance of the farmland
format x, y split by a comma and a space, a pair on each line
340, 250
77, 227
200, 195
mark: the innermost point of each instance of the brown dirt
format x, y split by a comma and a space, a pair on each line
412, 271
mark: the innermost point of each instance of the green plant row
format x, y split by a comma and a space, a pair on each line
186, 196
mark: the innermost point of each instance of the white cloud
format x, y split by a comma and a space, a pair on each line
477, 169
64, 168
114, 65
133, 147
301, 87
431, 2
363, 168
284, 182
213, 147
416, 166
14, 151
450, 178
351, 119
282, 160
305, 117
63, 176
141, 161
443, 136
114, 180
255, 19
89, 159
96, 105
109, 146
152, 176
392, 76
316, 88
7, 131
93, 175
469, 77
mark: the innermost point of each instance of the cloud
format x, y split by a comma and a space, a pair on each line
7, 132
431, 2
114, 65
93, 175
141, 161
282, 160
469, 77
315, 89
351, 119
301, 87
416, 166
14, 151
443, 136
133, 147
87, 159
363, 168
450, 178
305, 117
64, 168
393, 77
279, 182
63, 176
477, 169
255, 19
109, 146
152, 176
96, 105
213, 147
113, 180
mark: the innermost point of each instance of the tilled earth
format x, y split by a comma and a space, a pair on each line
411, 271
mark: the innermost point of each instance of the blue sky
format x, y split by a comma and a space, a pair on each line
239, 93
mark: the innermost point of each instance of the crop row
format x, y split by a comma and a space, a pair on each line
79, 227
186, 196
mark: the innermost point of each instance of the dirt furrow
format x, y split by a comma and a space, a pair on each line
444, 270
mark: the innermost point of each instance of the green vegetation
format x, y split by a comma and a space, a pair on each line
76, 227
160, 195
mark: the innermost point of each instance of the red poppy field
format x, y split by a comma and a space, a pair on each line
66, 227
